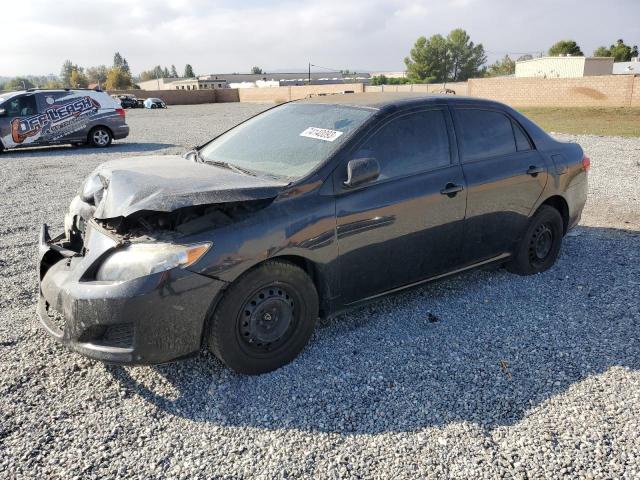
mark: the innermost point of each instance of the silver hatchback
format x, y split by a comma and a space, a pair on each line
37, 117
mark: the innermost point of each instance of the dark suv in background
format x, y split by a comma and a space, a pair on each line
37, 117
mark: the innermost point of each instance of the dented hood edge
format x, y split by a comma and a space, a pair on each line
164, 183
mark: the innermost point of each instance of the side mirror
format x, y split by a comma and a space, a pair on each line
191, 155
361, 170
3, 112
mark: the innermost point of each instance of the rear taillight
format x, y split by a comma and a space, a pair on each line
586, 162
120, 111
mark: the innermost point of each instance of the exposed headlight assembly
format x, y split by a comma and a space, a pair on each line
142, 259
93, 189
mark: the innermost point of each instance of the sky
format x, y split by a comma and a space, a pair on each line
223, 36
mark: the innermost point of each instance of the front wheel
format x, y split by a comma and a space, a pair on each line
264, 319
100, 137
539, 247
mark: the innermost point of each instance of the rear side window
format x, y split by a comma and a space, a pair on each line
522, 141
485, 133
408, 144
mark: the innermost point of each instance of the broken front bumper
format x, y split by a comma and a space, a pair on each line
147, 320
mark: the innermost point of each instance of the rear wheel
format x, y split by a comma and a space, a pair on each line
540, 246
264, 319
100, 137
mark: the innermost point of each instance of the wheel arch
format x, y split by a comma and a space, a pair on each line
305, 264
561, 205
98, 126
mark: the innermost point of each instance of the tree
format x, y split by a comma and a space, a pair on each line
619, 51
98, 74
623, 53
174, 72
502, 68
440, 59
428, 60
68, 67
384, 80
602, 52
118, 79
146, 75
165, 73
466, 57
54, 84
188, 71
256, 70
158, 72
525, 57
565, 47
120, 62
18, 83
78, 79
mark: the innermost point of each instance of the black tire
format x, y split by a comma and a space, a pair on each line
539, 247
264, 319
153, 105
99, 137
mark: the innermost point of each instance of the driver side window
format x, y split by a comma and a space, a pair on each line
21, 106
409, 144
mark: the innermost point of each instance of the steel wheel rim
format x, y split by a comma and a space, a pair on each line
101, 137
541, 244
267, 319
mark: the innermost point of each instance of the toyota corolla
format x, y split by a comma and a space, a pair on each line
301, 212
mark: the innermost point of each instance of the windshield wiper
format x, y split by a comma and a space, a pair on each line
227, 165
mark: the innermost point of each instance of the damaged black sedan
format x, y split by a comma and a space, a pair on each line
301, 212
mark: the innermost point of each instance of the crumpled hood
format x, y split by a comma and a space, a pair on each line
165, 183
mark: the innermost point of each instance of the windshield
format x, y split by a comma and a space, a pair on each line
287, 141
6, 96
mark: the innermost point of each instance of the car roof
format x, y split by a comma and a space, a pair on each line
383, 100
8, 95
52, 90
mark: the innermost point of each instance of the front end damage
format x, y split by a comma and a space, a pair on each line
117, 288
150, 319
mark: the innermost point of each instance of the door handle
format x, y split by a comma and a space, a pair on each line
534, 171
451, 189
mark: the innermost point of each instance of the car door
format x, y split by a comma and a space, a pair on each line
65, 125
505, 176
21, 125
406, 225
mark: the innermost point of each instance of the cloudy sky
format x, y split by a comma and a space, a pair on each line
233, 35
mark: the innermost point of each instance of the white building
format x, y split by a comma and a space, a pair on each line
627, 68
200, 83
564, 67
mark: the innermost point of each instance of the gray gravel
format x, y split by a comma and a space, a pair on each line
482, 375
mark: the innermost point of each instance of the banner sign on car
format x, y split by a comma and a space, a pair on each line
57, 120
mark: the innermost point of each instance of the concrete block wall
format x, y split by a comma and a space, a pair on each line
286, 94
597, 91
459, 87
635, 94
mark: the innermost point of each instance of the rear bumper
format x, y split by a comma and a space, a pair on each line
148, 320
121, 131
576, 196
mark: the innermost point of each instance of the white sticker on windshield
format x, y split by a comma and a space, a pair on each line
321, 134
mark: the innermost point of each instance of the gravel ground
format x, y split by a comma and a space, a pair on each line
485, 374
